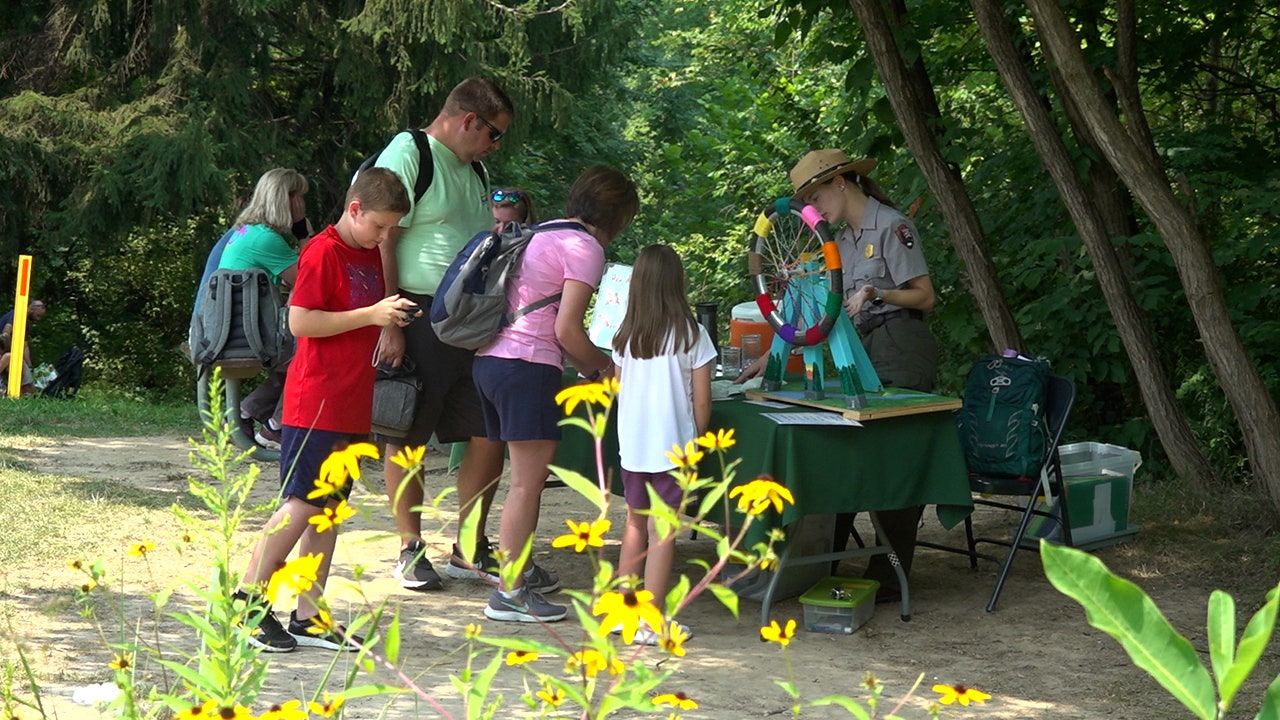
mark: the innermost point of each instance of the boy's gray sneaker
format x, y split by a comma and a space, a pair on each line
525, 605
414, 570
541, 579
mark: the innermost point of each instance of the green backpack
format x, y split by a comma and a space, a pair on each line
1002, 421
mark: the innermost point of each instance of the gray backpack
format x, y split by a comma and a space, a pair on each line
239, 316
470, 304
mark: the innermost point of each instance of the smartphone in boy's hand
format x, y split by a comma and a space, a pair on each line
411, 313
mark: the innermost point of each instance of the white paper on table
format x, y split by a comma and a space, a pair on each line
811, 418
771, 404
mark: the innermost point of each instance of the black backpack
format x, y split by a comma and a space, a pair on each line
426, 168
240, 316
1002, 421
68, 371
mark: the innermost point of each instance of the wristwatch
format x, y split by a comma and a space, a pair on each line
878, 300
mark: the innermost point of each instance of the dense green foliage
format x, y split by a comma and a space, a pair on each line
127, 135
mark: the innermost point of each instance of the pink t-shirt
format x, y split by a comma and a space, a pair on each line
552, 258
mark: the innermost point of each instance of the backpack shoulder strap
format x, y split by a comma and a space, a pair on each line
534, 230
426, 166
214, 318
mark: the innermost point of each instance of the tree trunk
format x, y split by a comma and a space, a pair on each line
1131, 322
944, 182
1236, 373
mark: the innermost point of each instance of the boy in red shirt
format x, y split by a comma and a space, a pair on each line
335, 311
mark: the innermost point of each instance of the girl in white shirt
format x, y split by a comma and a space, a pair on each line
664, 360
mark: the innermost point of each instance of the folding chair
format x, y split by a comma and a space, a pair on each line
1060, 395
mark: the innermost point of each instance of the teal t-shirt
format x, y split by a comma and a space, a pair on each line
258, 246
454, 208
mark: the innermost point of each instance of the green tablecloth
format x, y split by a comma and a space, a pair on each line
886, 464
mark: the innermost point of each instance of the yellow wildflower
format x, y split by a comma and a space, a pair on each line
679, 700
672, 638
75, 564
332, 516
721, 439
235, 712
591, 662
597, 393
776, 633
291, 710
196, 712
687, 457
627, 608
298, 574
552, 696
473, 630
583, 534
409, 457
344, 464
330, 707
520, 657
960, 693
121, 661
756, 496
140, 549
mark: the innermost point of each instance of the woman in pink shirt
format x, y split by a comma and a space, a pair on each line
519, 373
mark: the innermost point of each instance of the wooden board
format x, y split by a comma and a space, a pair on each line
893, 402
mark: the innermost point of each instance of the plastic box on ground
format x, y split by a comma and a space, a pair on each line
839, 605
1099, 488
810, 535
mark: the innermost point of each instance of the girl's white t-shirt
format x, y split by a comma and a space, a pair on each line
655, 403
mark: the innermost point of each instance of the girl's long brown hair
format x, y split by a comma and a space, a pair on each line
657, 307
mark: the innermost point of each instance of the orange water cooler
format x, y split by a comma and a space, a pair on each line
746, 319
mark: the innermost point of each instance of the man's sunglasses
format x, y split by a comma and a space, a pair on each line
494, 133
501, 196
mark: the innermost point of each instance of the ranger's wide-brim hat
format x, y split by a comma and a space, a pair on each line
822, 165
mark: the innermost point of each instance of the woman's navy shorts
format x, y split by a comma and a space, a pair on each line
518, 399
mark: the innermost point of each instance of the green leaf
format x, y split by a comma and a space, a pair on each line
468, 524
1271, 702
584, 487
727, 597
1252, 643
1123, 611
849, 704
1222, 635
676, 595
391, 643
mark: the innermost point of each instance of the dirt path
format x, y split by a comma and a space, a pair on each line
1035, 655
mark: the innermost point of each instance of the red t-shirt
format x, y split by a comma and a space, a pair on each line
330, 381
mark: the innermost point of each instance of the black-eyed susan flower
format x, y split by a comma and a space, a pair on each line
777, 633
672, 638
330, 707
597, 393
756, 496
332, 516
677, 700
140, 549
343, 465
198, 712
75, 565
230, 712
298, 574
322, 624
627, 609
552, 696
291, 710
721, 439
591, 661
409, 457
472, 631
961, 694
121, 661
87, 587
686, 457
520, 657
583, 534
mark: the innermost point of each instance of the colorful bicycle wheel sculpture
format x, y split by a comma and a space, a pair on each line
799, 283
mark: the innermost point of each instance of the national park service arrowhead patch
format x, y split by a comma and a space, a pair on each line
905, 236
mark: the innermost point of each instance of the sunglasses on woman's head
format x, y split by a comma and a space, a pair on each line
501, 196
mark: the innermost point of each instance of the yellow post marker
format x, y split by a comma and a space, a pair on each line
18, 342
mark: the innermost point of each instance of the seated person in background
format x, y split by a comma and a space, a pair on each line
257, 241
35, 311
511, 204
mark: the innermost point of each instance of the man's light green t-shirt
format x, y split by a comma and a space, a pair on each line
453, 209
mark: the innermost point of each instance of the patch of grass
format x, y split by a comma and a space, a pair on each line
97, 413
